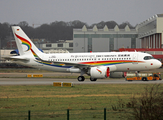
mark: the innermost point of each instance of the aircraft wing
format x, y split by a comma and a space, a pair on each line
16, 58
77, 65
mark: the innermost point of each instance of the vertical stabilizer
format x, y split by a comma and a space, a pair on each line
24, 44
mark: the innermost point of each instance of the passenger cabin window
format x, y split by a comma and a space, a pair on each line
148, 57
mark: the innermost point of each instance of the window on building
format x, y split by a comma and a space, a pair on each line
70, 44
60, 45
48, 45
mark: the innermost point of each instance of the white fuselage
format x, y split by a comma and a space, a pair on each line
122, 61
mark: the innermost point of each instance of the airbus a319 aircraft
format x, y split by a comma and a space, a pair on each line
97, 65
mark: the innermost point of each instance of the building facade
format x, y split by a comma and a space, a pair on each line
151, 32
104, 40
65, 46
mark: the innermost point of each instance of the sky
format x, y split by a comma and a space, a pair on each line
38, 12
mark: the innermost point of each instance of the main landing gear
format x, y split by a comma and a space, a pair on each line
93, 79
82, 78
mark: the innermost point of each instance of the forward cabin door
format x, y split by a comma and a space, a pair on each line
135, 58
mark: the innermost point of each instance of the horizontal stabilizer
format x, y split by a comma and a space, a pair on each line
16, 58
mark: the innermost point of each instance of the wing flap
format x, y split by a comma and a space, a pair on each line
77, 65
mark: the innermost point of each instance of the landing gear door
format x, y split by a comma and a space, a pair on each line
135, 58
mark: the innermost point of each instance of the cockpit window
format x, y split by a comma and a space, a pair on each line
148, 57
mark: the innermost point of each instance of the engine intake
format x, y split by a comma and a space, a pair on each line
99, 72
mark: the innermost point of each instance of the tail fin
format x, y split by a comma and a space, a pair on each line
24, 44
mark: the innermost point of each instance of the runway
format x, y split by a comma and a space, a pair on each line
49, 81
49, 78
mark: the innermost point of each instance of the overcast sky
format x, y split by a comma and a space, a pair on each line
88, 11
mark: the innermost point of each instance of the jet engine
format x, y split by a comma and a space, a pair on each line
118, 74
99, 72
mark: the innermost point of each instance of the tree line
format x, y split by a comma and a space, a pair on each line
58, 30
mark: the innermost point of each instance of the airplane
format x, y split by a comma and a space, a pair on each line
97, 65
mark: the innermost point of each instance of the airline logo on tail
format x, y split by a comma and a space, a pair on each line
24, 42
34, 54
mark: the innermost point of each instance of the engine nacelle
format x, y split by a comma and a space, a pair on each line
99, 72
118, 74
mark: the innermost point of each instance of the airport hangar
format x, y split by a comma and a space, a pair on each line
104, 40
150, 32
145, 37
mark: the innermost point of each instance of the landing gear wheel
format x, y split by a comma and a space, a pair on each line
93, 79
81, 78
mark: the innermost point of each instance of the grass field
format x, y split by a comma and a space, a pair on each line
86, 102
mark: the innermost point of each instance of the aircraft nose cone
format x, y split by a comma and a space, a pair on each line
159, 64
156, 64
